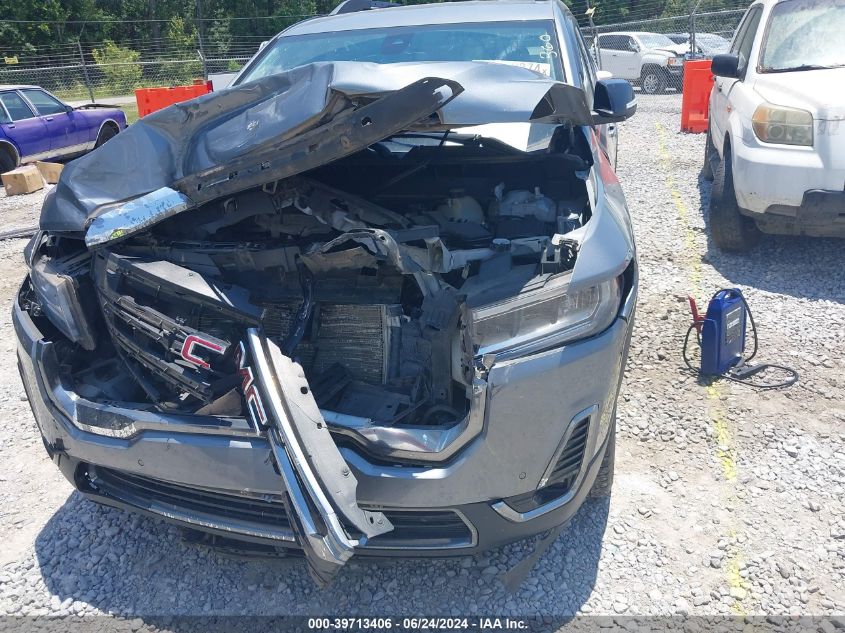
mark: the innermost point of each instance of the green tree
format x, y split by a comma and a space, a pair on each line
181, 49
119, 66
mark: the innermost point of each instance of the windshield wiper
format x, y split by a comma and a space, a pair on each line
802, 67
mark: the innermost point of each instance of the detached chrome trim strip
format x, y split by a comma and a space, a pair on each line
589, 450
334, 547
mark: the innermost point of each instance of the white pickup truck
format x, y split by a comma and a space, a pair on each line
649, 60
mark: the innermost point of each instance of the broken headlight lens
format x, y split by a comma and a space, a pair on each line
55, 287
548, 316
778, 124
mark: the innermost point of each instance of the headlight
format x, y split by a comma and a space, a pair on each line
55, 286
675, 61
548, 316
778, 124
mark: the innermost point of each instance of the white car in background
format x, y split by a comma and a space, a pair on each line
649, 60
706, 44
776, 139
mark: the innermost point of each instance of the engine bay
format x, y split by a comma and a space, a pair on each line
365, 271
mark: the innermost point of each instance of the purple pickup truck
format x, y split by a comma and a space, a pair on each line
35, 125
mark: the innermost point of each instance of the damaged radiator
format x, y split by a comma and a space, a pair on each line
137, 296
359, 337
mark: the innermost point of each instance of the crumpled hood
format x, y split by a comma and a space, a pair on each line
822, 92
203, 134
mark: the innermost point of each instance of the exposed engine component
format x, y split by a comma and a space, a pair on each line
362, 272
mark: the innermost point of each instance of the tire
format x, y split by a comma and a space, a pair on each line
653, 81
105, 134
604, 480
7, 161
730, 230
709, 156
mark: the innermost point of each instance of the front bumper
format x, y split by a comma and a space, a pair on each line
170, 465
774, 183
820, 214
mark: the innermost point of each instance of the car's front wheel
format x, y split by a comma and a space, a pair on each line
108, 131
730, 230
653, 80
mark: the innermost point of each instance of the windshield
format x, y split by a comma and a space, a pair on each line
804, 35
530, 44
712, 43
655, 40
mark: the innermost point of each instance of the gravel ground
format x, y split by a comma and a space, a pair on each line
727, 500
20, 212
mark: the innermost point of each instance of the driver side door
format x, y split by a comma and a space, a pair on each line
66, 128
724, 88
20, 125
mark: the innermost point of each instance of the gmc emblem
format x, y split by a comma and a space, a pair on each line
193, 341
251, 395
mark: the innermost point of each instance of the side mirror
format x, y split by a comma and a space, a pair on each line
68, 108
613, 101
633, 46
725, 66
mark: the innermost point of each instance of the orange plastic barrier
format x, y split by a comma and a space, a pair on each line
152, 99
698, 81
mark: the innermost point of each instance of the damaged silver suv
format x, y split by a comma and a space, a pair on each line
374, 299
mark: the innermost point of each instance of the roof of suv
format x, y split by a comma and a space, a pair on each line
441, 13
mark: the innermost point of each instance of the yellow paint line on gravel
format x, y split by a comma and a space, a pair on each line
725, 450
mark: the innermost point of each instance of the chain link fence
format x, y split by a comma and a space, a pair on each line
117, 70
684, 28
77, 71
688, 36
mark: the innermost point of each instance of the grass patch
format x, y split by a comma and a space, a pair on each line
131, 112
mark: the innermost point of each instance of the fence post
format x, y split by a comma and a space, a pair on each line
200, 29
204, 62
692, 28
594, 32
85, 71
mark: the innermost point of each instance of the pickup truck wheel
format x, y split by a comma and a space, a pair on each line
7, 161
709, 156
653, 81
604, 480
730, 230
105, 134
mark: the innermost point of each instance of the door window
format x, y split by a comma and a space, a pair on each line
587, 70
44, 103
744, 38
615, 42
16, 107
